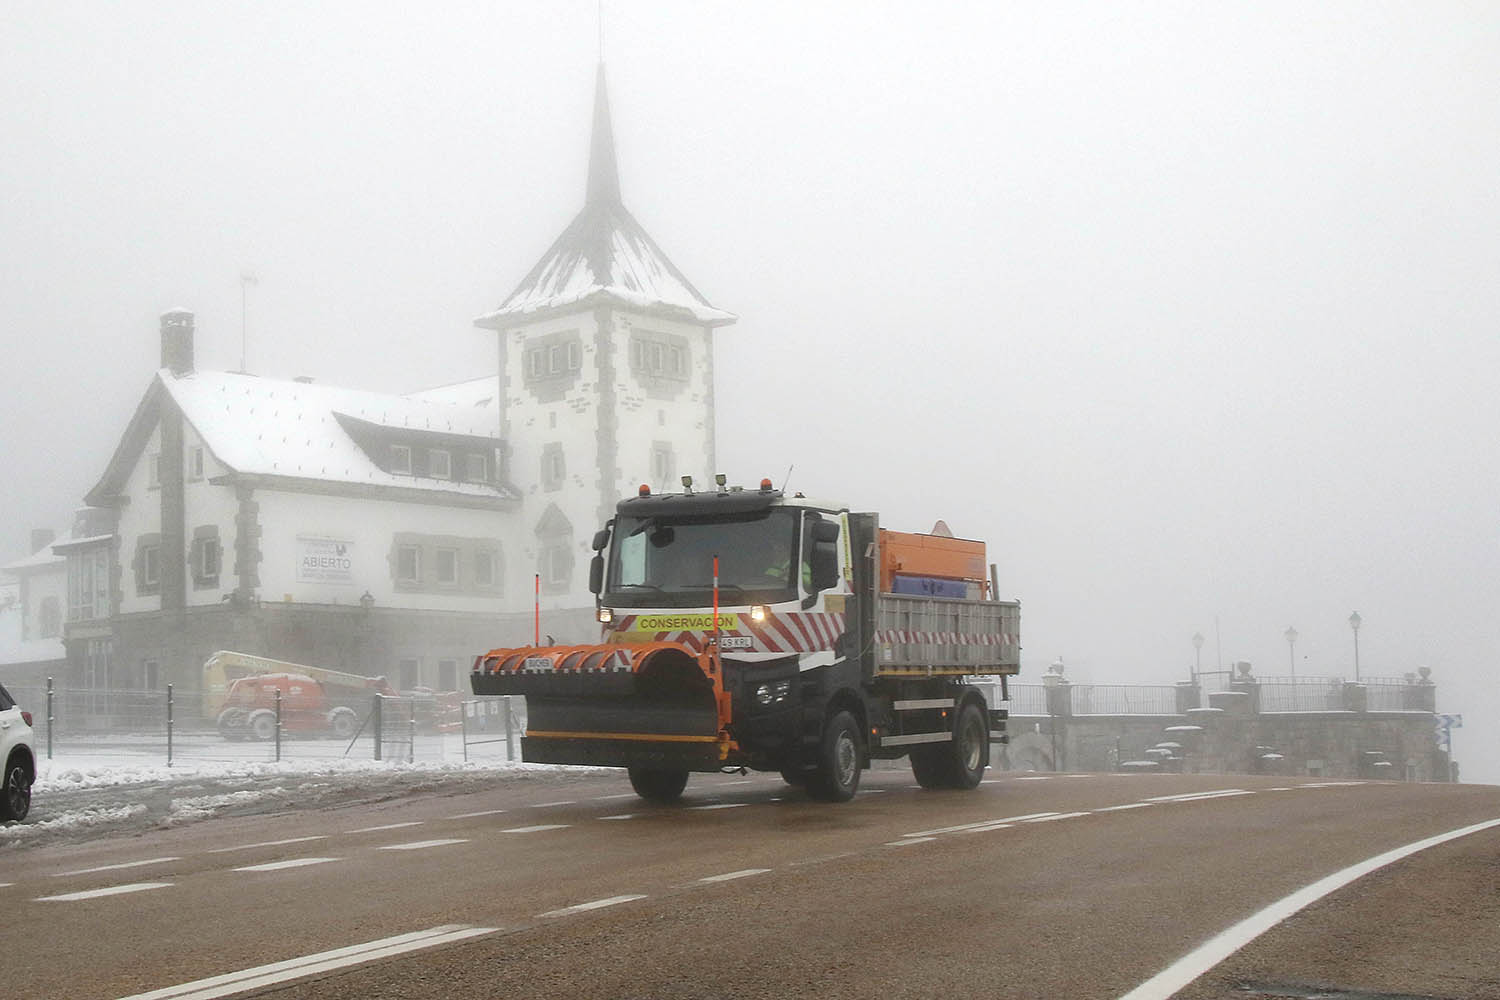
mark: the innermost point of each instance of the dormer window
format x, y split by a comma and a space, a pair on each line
401, 459
476, 469
195, 463
439, 464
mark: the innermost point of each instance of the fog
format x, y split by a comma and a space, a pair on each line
1189, 311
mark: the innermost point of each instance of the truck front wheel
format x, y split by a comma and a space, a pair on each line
837, 776
971, 747
658, 785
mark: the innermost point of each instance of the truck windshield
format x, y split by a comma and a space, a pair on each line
670, 563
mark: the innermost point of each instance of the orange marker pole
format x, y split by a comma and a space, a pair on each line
538, 642
716, 602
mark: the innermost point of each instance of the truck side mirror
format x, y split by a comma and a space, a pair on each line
596, 574
601, 540
825, 555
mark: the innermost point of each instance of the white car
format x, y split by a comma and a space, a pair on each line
20, 759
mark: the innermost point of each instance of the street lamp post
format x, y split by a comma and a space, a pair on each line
1197, 655
1354, 622
1291, 646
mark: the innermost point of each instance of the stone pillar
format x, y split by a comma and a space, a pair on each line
1245, 683
1189, 696
1354, 697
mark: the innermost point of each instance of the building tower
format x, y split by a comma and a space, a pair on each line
606, 377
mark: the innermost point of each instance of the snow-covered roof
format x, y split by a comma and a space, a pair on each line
482, 391
42, 557
605, 254
301, 430
285, 428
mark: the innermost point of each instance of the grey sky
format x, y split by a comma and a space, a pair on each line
1188, 310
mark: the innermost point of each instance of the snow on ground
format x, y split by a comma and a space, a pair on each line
97, 791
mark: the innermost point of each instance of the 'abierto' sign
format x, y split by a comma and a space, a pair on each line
324, 560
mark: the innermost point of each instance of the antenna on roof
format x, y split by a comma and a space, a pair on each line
601, 30
788, 477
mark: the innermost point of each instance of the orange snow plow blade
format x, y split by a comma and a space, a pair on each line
654, 704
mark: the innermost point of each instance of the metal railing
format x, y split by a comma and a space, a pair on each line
1301, 694
1124, 699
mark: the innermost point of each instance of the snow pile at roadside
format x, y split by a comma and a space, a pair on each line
73, 821
59, 775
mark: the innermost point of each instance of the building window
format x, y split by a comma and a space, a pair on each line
49, 618
536, 363
195, 463
208, 559
663, 465
88, 585
575, 356
445, 561
439, 464
151, 565
150, 675
484, 568
154, 475
554, 466
447, 678
401, 459
556, 565
476, 469
679, 362
409, 672
662, 355
408, 563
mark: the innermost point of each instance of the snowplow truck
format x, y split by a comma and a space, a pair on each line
748, 629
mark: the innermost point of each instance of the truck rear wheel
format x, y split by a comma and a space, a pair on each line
341, 721
836, 778
658, 785
929, 765
263, 724
971, 748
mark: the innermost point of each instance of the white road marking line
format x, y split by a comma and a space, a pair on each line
482, 812
619, 816
1078, 776
607, 798
992, 826
1331, 784
1128, 805
536, 829
417, 845
595, 905
267, 843
6, 885
114, 890
111, 868
871, 791
1280, 788
908, 840
1198, 961
276, 866
1039, 777
1053, 818
775, 799
1196, 796
560, 802
974, 826
729, 876
307, 965
388, 826
720, 805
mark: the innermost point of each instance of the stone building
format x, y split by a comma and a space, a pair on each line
390, 534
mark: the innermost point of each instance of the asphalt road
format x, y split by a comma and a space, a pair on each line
1032, 886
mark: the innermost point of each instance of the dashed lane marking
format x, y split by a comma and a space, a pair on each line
1195, 963
1055, 817
482, 812
1331, 784
268, 843
560, 802
6, 885
731, 876
417, 845
908, 840
1039, 777
536, 829
608, 798
387, 826
992, 826
1128, 805
114, 890
719, 805
308, 965
871, 791
1200, 796
276, 866
620, 816
597, 904
974, 826
113, 868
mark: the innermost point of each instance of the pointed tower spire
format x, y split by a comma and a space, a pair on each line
604, 174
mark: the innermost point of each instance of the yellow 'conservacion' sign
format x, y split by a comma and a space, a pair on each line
685, 623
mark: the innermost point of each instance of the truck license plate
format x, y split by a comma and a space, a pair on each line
537, 663
735, 642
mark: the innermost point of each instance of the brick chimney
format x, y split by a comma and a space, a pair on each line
41, 538
177, 341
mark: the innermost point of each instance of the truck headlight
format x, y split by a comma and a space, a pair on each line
758, 613
773, 693
606, 615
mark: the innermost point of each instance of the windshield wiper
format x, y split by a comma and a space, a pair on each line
641, 586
